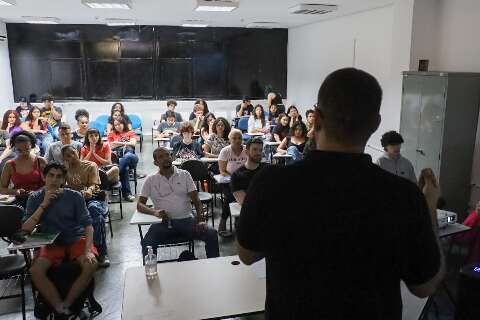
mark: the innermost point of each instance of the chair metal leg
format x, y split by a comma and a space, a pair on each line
121, 205
22, 285
110, 223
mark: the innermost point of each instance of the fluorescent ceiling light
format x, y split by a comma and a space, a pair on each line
194, 25
119, 22
41, 20
8, 2
264, 25
216, 5
108, 4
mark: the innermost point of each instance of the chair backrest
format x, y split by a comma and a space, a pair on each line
103, 118
197, 169
101, 127
10, 220
136, 121
243, 124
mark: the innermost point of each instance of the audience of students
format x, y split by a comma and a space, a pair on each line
242, 177
40, 127
62, 211
281, 129
257, 122
97, 151
295, 143
218, 139
245, 108
207, 127
83, 118
187, 148
83, 176
23, 174
167, 128
392, 160
171, 105
116, 112
172, 191
122, 141
54, 151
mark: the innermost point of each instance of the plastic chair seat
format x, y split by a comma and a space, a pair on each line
12, 265
205, 196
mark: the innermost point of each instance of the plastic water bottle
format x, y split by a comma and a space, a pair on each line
150, 264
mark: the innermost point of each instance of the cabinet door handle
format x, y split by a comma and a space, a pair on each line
421, 152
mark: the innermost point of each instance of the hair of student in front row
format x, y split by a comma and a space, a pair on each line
348, 106
254, 140
55, 165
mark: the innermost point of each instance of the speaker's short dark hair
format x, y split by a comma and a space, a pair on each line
391, 138
254, 140
349, 104
55, 165
170, 102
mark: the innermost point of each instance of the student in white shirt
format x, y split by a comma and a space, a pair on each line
171, 191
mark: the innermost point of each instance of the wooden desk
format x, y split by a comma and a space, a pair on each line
184, 291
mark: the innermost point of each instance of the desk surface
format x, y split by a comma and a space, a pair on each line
142, 218
221, 179
282, 155
199, 289
209, 160
6, 199
271, 143
235, 209
452, 229
161, 139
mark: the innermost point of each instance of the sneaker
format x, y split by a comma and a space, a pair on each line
129, 198
103, 261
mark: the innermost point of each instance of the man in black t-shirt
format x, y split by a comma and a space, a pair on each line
241, 178
245, 108
338, 246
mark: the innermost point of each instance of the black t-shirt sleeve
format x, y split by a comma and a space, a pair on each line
237, 182
254, 215
421, 254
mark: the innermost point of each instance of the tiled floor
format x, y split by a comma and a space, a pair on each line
124, 251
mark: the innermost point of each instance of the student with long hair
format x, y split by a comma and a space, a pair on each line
218, 139
293, 115
123, 141
83, 118
187, 148
203, 104
40, 127
207, 127
282, 129
257, 122
116, 112
97, 151
295, 143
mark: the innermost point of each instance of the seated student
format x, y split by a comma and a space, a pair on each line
207, 127
171, 105
24, 108
10, 125
294, 144
245, 108
218, 139
83, 117
40, 128
24, 172
257, 122
187, 148
123, 141
167, 128
275, 98
51, 113
392, 161
293, 115
100, 153
310, 115
471, 239
273, 114
242, 176
202, 104
197, 122
83, 176
117, 111
282, 129
63, 211
54, 152
172, 190
230, 159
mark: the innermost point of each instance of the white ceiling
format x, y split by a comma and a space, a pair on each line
174, 12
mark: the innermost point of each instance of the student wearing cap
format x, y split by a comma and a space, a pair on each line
392, 161
245, 108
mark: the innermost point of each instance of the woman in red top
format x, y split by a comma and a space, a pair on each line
24, 171
96, 151
123, 141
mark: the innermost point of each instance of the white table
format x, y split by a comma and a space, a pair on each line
452, 229
255, 134
165, 141
6, 199
209, 160
198, 289
222, 179
412, 305
143, 219
235, 209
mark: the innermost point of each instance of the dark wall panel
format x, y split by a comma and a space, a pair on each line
146, 62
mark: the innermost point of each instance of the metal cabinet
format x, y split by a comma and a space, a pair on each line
439, 124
